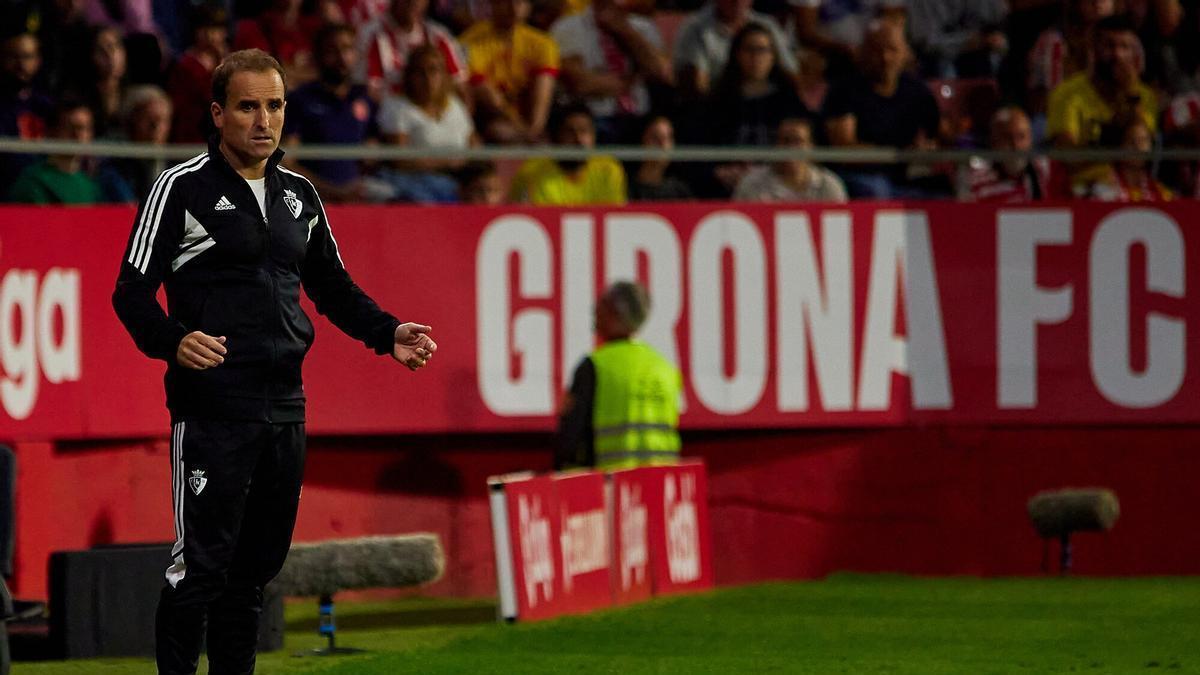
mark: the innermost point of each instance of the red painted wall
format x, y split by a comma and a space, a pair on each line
785, 504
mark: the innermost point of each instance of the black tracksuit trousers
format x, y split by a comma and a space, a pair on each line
236, 490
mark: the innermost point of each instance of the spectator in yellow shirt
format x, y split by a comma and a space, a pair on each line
513, 69
1110, 94
549, 182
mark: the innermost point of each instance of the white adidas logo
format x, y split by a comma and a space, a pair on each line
224, 204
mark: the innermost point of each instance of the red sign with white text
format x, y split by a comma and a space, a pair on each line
651, 537
680, 540
533, 542
634, 494
585, 541
778, 316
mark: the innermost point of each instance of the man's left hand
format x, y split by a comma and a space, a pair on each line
413, 345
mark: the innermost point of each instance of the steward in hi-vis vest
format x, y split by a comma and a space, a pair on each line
622, 408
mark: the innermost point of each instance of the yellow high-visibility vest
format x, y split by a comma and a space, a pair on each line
635, 412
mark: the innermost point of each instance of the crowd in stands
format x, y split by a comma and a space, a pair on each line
436, 74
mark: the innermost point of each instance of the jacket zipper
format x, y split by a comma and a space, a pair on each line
266, 268
274, 294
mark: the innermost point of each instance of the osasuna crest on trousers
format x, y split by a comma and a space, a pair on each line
197, 481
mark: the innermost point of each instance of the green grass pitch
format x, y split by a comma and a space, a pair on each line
844, 624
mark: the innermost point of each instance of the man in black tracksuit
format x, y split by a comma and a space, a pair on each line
233, 236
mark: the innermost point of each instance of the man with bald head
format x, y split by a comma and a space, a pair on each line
1013, 180
883, 105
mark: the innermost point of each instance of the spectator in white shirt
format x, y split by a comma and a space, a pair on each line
428, 115
793, 180
958, 38
837, 27
608, 56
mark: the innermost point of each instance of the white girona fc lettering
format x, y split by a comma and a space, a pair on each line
29, 347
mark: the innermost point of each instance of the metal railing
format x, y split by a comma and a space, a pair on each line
824, 155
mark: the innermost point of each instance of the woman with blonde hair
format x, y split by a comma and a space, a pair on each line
428, 115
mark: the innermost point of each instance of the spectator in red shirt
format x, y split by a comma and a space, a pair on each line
1015, 180
284, 32
1181, 127
190, 82
389, 41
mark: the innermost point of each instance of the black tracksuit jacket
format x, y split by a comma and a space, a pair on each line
228, 271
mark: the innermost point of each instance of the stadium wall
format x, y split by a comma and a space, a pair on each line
875, 387
784, 503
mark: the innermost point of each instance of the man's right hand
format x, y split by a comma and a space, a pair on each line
200, 352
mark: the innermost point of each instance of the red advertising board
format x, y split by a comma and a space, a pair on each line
680, 539
648, 535
525, 528
585, 543
633, 497
778, 316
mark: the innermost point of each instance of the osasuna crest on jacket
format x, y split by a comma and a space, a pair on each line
231, 271
293, 202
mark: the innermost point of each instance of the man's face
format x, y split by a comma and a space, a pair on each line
151, 123
75, 125
338, 58
508, 13
20, 59
733, 11
214, 40
252, 117
794, 134
409, 11
487, 190
1092, 11
659, 134
756, 56
577, 130
108, 54
1117, 57
1011, 131
886, 52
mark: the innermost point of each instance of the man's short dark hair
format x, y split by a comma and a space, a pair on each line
244, 61
63, 108
327, 33
474, 171
209, 15
1117, 23
561, 114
